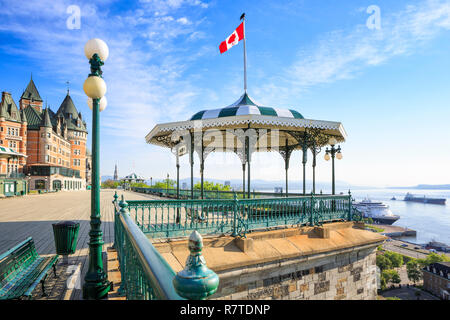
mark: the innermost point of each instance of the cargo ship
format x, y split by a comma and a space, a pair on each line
424, 199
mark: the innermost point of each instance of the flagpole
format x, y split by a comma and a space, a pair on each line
245, 57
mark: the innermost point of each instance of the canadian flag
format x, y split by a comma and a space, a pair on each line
233, 39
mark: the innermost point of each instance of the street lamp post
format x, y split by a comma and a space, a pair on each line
151, 181
96, 284
28, 182
167, 185
334, 152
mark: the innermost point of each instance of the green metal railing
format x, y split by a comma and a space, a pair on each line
172, 218
209, 194
144, 272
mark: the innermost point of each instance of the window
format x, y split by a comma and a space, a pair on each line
47, 158
49, 135
47, 146
39, 184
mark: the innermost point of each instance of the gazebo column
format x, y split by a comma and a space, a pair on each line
243, 180
191, 160
286, 167
178, 186
304, 160
247, 146
202, 167
286, 154
314, 170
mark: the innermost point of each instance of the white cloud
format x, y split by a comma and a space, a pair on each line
341, 55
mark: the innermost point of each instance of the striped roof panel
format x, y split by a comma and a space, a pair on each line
245, 106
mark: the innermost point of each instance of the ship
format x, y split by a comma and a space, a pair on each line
424, 199
377, 211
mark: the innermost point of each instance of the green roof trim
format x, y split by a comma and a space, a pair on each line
245, 106
296, 114
246, 100
265, 111
198, 115
228, 112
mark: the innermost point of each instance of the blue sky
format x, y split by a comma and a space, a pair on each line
389, 86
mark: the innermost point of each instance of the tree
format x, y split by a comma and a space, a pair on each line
395, 258
110, 184
211, 186
163, 184
433, 258
395, 277
139, 185
413, 269
383, 263
390, 276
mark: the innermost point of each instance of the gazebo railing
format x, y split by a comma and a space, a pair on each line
209, 194
145, 274
171, 218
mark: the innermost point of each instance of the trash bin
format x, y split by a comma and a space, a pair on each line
66, 234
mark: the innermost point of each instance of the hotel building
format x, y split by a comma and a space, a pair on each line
56, 144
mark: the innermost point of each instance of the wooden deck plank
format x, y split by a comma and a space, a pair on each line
33, 215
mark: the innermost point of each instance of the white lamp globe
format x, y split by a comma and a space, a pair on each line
97, 46
339, 155
332, 141
327, 157
94, 87
103, 103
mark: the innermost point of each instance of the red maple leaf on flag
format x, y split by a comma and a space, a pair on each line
232, 38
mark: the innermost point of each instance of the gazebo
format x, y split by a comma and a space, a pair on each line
133, 178
245, 127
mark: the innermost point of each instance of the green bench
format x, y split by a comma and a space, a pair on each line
21, 270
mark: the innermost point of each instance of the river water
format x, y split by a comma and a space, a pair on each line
431, 221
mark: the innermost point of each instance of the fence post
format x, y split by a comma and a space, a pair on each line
350, 218
235, 206
196, 281
311, 218
120, 250
115, 196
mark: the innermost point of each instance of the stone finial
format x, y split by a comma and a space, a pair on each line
196, 281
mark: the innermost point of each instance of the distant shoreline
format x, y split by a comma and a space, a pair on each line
425, 187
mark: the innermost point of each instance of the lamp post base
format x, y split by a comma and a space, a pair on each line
96, 290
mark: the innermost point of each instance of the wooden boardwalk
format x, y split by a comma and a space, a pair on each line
33, 216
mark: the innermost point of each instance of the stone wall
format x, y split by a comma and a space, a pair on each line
343, 274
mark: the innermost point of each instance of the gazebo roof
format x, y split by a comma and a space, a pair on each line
134, 176
245, 106
287, 126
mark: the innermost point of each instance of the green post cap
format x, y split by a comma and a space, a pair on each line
115, 196
123, 205
196, 281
